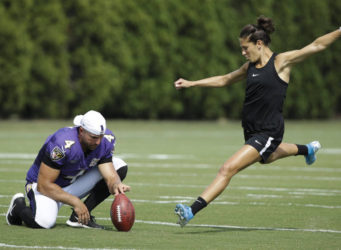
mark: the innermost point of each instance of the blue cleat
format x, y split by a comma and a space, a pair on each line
313, 147
185, 214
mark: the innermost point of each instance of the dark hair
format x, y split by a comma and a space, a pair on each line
261, 31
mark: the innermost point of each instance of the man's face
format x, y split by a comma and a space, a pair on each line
88, 140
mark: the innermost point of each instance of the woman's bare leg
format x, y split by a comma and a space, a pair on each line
243, 158
282, 151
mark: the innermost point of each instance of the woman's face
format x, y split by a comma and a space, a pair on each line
249, 50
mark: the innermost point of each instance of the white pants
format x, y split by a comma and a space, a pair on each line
47, 208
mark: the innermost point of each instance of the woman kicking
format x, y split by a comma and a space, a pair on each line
267, 77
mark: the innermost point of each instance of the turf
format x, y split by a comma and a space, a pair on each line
284, 205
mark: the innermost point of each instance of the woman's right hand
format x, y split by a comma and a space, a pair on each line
181, 83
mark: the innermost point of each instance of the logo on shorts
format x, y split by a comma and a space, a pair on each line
28, 187
256, 141
57, 154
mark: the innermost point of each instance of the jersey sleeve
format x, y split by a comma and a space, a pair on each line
109, 141
105, 160
54, 155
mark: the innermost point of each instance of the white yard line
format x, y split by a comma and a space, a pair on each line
51, 247
312, 230
188, 200
220, 201
184, 165
243, 227
272, 189
7, 155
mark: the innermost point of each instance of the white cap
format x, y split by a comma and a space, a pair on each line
92, 121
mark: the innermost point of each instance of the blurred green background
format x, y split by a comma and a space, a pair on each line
59, 58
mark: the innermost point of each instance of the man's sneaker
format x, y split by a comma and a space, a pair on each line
73, 222
185, 214
313, 147
17, 203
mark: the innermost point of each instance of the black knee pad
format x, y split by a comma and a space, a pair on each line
122, 172
27, 216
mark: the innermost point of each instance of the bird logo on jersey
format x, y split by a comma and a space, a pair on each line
57, 154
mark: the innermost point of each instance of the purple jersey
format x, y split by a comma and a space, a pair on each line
63, 151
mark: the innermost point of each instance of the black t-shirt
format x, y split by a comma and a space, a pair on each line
264, 99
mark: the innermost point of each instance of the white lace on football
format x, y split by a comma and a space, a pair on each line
118, 209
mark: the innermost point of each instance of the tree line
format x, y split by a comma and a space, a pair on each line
59, 58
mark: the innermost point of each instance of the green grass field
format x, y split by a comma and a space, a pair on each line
285, 205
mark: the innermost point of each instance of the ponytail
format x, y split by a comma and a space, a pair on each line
261, 31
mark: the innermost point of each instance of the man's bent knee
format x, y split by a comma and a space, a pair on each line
46, 221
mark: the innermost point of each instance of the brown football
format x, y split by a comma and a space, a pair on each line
122, 213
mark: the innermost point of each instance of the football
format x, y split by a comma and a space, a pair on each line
122, 213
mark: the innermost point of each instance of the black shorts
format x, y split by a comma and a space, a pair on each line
263, 143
